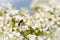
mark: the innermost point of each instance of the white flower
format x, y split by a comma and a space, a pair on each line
18, 17
56, 35
21, 37
6, 38
48, 39
14, 32
1, 23
7, 18
28, 23
40, 38
23, 28
13, 12
7, 29
17, 34
54, 2
45, 7
41, 19
1, 18
10, 35
31, 37
16, 24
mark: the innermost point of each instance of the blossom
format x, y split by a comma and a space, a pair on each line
42, 25
31, 37
12, 12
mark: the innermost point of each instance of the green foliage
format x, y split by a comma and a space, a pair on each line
13, 22
27, 32
1, 14
58, 25
31, 30
1, 33
23, 32
37, 32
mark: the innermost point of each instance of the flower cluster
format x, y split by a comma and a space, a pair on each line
21, 25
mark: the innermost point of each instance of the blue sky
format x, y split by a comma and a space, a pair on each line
18, 3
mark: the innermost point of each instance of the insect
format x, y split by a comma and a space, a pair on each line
21, 21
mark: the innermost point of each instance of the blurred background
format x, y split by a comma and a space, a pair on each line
25, 3
17, 3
